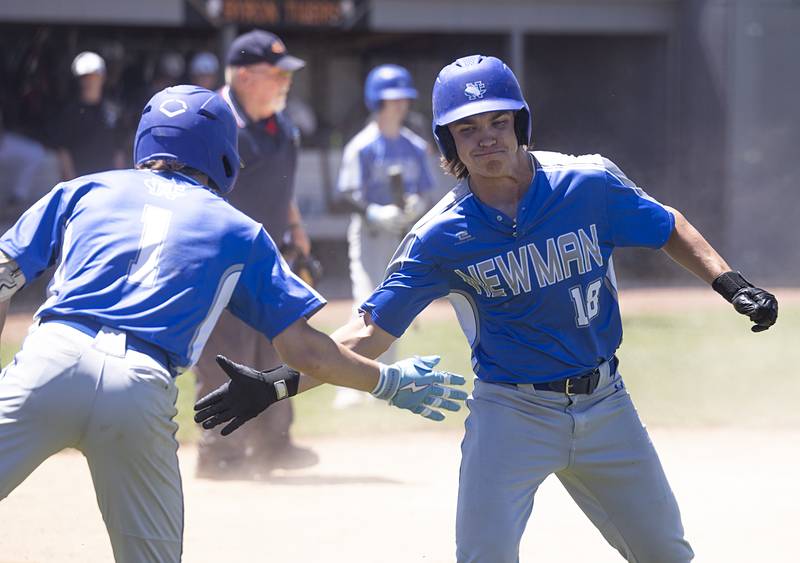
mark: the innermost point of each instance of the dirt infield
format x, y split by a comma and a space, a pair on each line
392, 500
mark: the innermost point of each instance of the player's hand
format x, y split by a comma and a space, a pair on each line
388, 218
761, 306
415, 207
757, 304
245, 396
412, 384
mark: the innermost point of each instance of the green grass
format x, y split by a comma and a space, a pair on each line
707, 368
694, 368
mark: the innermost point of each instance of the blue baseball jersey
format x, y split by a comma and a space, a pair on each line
369, 156
158, 255
536, 297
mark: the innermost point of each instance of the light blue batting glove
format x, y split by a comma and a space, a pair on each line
412, 384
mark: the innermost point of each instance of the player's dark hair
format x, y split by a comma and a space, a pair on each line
165, 165
454, 167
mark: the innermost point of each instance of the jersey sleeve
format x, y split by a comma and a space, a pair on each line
268, 296
35, 239
350, 174
635, 218
412, 282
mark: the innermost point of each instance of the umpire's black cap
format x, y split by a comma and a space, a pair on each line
259, 46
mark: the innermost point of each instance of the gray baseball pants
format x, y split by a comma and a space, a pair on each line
597, 447
370, 250
66, 389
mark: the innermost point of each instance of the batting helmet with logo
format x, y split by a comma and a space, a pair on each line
388, 82
473, 85
194, 126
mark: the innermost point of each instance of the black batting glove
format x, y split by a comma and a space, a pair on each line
757, 304
245, 396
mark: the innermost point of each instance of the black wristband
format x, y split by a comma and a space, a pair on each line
729, 283
292, 382
283, 381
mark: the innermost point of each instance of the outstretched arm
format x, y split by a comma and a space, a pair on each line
410, 384
689, 249
361, 336
314, 353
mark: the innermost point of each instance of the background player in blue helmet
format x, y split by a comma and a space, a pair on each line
386, 181
523, 248
147, 261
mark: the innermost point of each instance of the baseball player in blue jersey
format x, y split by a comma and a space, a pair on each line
523, 246
147, 260
385, 180
384, 177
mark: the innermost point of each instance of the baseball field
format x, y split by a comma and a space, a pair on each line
718, 401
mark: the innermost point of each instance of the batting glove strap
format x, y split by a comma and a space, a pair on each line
283, 379
728, 284
413, 385
388, 382
245, 396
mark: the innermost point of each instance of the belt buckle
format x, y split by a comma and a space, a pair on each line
567, 383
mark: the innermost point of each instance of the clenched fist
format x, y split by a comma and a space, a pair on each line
759, 305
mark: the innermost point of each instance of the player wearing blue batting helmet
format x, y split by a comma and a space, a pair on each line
473, 85
193, 126
388, 82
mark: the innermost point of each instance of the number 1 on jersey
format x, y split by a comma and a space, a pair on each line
144, 268
586, 309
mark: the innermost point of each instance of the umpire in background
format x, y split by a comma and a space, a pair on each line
258, 75
86, 133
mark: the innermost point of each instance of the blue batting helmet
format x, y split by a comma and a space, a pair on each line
473, 85
194, 126
388, 82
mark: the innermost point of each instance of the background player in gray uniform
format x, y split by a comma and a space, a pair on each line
523, 246
147, 261
386, 181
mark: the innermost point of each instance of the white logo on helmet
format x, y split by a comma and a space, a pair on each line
475, 90
173, 107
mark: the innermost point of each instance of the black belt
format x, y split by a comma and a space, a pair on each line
580, 384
